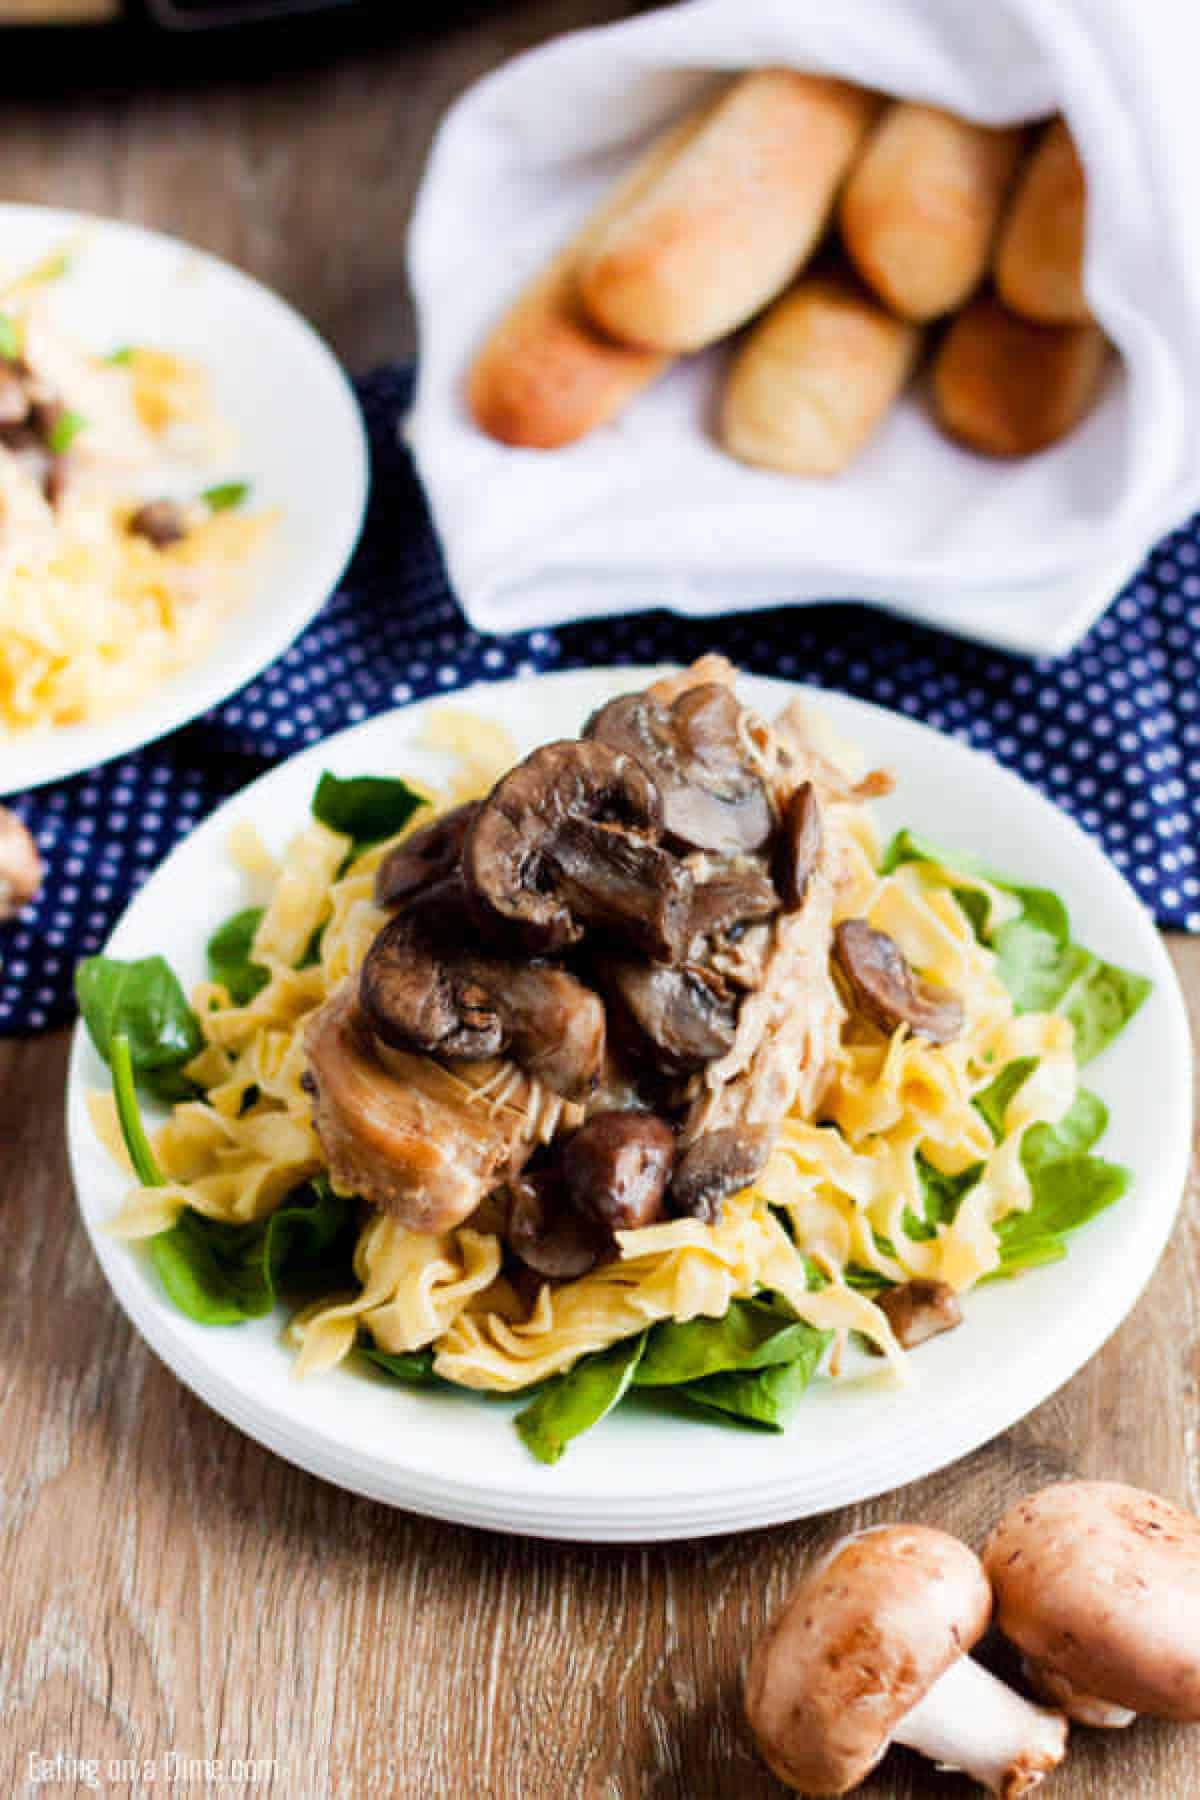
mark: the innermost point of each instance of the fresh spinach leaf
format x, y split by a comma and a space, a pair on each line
572, 1403
1069, 1186
1037, 961
768, 1397
416, 1367
367, 808
144, 1001
219, 1273
1100, 999
145, 1164
753, 1334
942, 1195
229, 960
1077, 1130
864, 1280
993, 1100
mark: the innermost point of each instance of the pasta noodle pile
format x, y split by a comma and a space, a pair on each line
91, 614
841, 1197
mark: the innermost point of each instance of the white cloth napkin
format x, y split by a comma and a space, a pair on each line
649, 511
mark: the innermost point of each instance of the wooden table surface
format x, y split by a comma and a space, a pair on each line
169, 1589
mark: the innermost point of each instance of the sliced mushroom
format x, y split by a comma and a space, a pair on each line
567, 840
160, 522
14, 393
798, 849
424, 857
676, 1018
617, 882
713, 798
425, 986
886, 989
919, 1310
615, 1168
549, 1235
730, 892
718, 1164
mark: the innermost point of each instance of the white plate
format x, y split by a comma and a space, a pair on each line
640, 1475
299, 441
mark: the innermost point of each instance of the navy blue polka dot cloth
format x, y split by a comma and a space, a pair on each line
1111, 732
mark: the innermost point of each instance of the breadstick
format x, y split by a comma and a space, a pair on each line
732, 219
1039, 258
920, 209
816, 377
546, 376
1008, 387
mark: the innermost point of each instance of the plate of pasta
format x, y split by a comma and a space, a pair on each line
628, 1104
183, 473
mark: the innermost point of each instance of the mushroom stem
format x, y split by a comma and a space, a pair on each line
971, 1721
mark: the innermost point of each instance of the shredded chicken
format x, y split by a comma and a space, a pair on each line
421, 1140
788, 1029
705, 669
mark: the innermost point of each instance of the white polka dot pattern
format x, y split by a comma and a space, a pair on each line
1111, 732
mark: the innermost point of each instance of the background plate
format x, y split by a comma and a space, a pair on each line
643, 1475
299, 441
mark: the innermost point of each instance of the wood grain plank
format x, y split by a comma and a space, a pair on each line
169, 1588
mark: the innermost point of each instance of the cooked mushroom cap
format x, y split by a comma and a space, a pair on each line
1099, 1584
20, 865
567, 839
425, 986
616, 1167
865, 1635
676, 1019
424, 857
718, 1164
798, 850
547, 1233
695, 750
885, 988
730, 892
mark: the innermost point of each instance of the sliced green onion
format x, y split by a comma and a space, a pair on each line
128, 1112
225, 496
10, 338
120, 356
65, 429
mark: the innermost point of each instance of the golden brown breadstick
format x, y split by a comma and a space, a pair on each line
1008, 387
1039, 258
815, 377
732, 218
920, 209
546, 376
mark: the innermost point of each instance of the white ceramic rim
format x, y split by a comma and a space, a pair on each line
1114, 1257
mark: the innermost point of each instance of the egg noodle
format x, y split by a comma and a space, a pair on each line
92, 614
841, 1194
